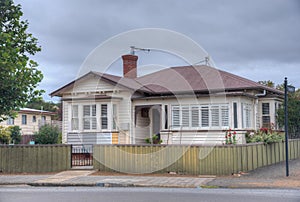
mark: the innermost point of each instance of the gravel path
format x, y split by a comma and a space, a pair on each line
266, 177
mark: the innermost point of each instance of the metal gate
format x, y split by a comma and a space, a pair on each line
82, 155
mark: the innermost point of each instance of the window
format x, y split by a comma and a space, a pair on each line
185, 114
33, 119
166, 117
89, 117
24, 119
10, 121
175, 116
200, 116
44, 118
235, 115
215, 115
75, 120
246, 115
225, 116
195, 116
205, 116
266, 120
104, 121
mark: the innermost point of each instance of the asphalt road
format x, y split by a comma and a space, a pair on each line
82, 194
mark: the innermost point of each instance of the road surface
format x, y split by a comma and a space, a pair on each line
82, 194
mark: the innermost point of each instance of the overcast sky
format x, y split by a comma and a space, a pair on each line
257, 39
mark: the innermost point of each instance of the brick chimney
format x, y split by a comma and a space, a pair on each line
129, 66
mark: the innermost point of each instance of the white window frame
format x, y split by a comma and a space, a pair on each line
247, 115
265, 114
10, 121
214, 116
74, 118
104, 116
79, 117
24, 119
90, 118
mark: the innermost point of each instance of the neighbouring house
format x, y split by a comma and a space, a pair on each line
184, 105
29, 120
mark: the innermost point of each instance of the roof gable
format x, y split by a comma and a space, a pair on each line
96, 81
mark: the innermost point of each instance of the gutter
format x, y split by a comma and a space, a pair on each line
262, 94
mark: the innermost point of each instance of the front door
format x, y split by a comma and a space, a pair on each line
156, 120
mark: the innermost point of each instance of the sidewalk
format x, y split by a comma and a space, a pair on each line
84, 178
273, 176
266, 177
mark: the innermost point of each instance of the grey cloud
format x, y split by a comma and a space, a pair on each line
235, 33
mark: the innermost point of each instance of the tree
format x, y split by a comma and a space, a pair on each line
19, 74
39, 103
293, 115
48, 135
293, 110
268, 83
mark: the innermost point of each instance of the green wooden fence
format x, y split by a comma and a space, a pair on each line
34, 158
197, 160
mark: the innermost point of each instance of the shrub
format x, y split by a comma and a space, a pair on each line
155, 140
15, 134
230, 137
5, 134
47, 135
264, 135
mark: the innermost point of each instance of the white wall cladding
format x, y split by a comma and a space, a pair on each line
89, 138
91, 84
193, 138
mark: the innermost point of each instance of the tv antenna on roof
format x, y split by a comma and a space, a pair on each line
133, 49
205, 61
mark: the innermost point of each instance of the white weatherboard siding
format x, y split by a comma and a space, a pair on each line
92, 86
89, 138
124, 112
210, 138
65, 119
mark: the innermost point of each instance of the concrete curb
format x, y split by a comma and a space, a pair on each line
104, 184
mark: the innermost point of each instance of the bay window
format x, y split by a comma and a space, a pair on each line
92, 117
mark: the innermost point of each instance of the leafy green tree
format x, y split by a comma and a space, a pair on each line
293, 115
293, 110
268, 83
15, 134
4, 135
19, 74
39, 103
48, 135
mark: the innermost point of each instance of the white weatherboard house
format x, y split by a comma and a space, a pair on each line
185, 105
